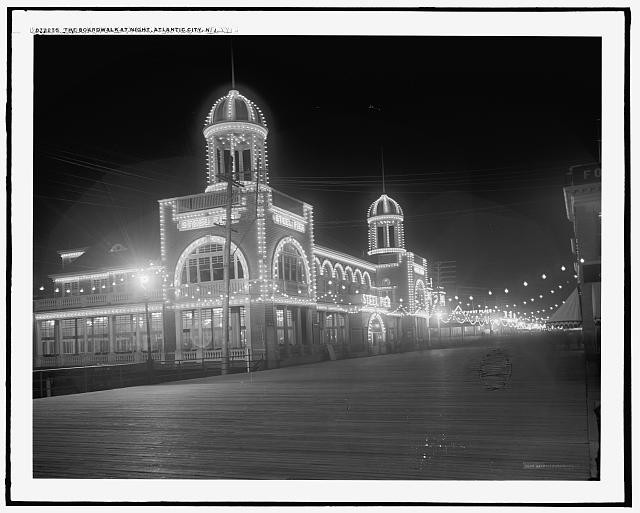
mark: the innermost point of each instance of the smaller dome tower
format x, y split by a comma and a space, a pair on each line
236, 135
386, 231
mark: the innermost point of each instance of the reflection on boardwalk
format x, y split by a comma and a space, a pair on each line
508, 410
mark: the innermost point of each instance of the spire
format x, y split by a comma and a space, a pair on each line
233, 73
382, 163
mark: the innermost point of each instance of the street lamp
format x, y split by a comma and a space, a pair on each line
144, 280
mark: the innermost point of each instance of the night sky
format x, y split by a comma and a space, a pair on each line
477, 134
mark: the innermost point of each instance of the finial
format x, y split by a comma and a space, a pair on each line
233, 74
382, 163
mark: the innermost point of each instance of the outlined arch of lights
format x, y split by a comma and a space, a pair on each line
207, 239
303, 254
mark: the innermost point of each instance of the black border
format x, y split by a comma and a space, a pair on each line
627, 268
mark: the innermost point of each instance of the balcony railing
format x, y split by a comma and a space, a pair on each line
205, 201
88, 300
292, 288
86, 360
212, 290
83, 360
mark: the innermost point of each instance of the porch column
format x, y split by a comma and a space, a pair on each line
197, 318
138, 334
58, 343
247, 327
308, 336
112, 336
162, 334
37, 350
178, 314
85, 336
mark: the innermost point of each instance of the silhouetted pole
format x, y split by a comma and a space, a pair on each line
143, 283
226, 262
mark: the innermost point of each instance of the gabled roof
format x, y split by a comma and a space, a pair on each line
104, 256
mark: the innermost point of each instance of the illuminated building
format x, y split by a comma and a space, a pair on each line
583, 201
290, 297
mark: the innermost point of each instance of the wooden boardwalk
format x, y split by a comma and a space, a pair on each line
517, 412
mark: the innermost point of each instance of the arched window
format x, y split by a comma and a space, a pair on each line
204, 264
349, 274
366, 280
291, 264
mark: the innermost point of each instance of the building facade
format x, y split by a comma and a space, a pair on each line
583, 201
291, 298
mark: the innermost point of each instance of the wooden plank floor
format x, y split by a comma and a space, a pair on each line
517, 412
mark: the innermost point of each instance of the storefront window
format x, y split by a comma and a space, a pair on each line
188, 330
72, 336
98, 334
48, 337
125, 329
280, 325
155, 322
212, 328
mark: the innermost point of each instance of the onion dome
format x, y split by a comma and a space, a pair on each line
236, 135
384, 206
235, 107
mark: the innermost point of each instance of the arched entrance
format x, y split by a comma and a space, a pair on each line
376, 334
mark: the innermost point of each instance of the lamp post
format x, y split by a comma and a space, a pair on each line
143, 283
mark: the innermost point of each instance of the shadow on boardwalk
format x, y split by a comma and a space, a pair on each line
503, 410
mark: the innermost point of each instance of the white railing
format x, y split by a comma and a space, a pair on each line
204, 201
80, 360
237, 354
212, 290
213, 354
57, 303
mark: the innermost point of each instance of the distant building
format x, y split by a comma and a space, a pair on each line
290, 296
443, 274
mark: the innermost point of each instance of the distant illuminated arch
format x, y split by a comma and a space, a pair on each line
338, 268
376, 325
349, 273
326, 269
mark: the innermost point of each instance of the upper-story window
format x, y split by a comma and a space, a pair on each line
381, 237
71, 288
205, 264
291, 264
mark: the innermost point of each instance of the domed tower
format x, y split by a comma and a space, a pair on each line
236, 135
386, 232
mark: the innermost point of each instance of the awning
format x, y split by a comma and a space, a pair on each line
568, 314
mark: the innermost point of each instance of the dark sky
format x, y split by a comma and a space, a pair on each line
477, 135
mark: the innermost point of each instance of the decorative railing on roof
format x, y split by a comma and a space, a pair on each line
205, 201
90, 300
